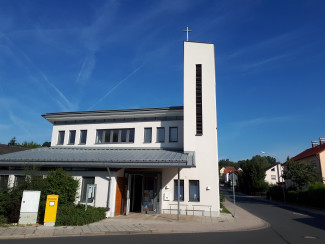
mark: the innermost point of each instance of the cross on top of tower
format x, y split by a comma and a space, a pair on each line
187, 30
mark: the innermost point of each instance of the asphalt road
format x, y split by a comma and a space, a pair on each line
287, 225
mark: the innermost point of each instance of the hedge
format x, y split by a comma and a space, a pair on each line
76, 215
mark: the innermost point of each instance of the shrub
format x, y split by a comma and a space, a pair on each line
71, 214
60, 183
3, 220
275, 192
222, 198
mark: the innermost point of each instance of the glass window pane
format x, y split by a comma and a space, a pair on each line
83, 136
115, 135
181, 197
161, 134
99, 136
72, 137
4, 181
123, 135
147, 135
194, 190
107, 136
173, 134
131, 135
85, 181
19, 180
61, 138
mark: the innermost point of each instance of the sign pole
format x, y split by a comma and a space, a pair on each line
233, 192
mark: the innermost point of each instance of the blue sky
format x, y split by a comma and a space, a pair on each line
92, 55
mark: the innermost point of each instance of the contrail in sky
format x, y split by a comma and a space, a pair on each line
117, 85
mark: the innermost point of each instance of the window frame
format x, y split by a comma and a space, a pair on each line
198, 190
61, 135
164, 134
170, 132
80, 139
146, 130
104, 134
83, 192
182, 190
74, 139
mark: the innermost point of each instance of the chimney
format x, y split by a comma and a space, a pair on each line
314, 143
321, 141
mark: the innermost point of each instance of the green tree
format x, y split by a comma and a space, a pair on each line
251, 179
46, 144
227, 163
13, 142
30, 144
300, 173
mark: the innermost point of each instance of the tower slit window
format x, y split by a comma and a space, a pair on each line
199, 123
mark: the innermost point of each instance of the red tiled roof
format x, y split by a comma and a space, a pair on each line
309, 152
229, 169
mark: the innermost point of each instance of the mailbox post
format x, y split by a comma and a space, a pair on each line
50, 210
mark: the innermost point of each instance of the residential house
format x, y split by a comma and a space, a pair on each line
226, 173
314, 156
273, 174
148, 160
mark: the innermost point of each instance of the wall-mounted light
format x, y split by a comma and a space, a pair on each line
167, 187
208, 188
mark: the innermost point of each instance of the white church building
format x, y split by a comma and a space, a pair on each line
153, 160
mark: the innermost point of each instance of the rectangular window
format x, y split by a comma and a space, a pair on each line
72, 137
19, 180
273, 177
131, 135
181, 196
173, 134
107, 136
147, 135
85, 182
61, 137
199, 124
161, 134
4, 181
100, 134
115, 135
194, 191
83, 136
123, 135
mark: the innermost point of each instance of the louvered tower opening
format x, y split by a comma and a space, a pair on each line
199, 124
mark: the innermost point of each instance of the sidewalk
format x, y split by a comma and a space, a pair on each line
144, 224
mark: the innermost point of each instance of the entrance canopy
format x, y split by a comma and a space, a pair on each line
95, 157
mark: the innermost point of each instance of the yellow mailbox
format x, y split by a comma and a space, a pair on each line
50, 210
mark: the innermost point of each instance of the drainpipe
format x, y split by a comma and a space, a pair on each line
109, 187
179, 192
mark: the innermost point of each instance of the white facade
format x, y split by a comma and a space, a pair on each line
139, 134
273, 175
153, 189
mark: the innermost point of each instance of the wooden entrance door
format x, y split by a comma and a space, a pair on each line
119, 195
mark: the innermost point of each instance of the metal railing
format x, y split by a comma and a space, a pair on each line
187, 210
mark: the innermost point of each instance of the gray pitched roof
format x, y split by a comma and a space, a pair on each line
114, 114
99, 157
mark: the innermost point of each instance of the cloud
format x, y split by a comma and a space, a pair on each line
86, 69
116, 86
37, 74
